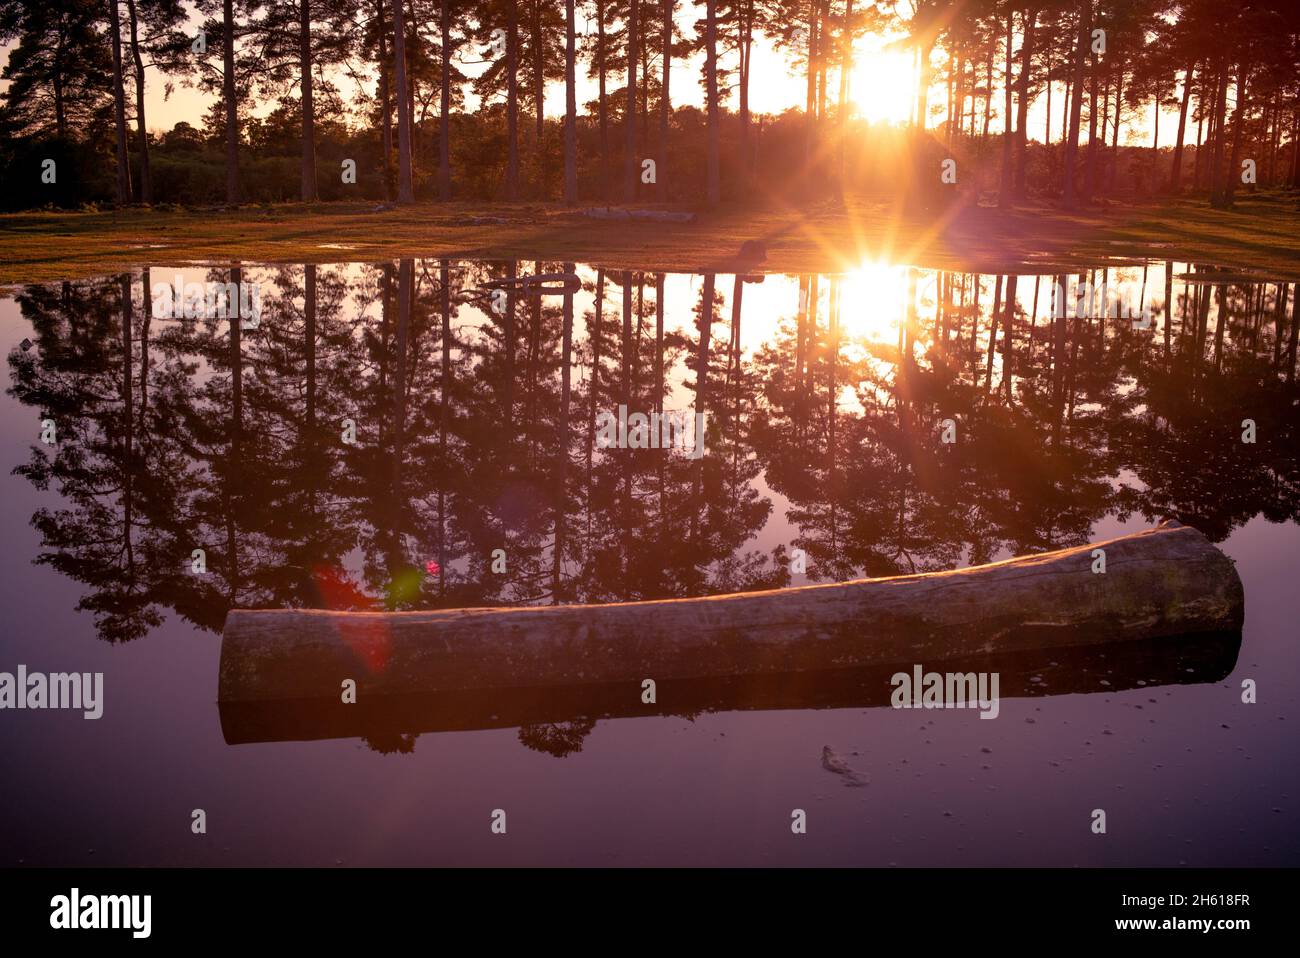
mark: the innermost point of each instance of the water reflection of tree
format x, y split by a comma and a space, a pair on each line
475, 432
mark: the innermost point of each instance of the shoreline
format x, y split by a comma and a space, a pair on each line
1259, 239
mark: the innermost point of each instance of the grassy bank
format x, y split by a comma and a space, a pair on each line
1260, 236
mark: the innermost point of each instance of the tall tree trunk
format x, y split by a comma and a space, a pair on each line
512, 103
142, 135
539, 87
988, 80
629, 112
444, 108
810, 99
1175, 174
1047, 113
745, 47
1090, 177
119, 107
1029, 20
228, 95
308, 103
823, 59
1076, 106
1238, 121
923, 83
385, 101
665, 104
570, 129
846, 69
1114, 141
405, 181
60, 109
1295, 148
1008, 134
1216, 154
1197, 165
711, 80
601, 58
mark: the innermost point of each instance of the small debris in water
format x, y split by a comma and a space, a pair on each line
837, 766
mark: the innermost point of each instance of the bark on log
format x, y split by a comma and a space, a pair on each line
1169, 580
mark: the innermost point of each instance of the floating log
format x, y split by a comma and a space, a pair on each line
385, 721
1169, 580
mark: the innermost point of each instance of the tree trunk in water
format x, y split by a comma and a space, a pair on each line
562, 472
405, 180
142, 135
119, 107
444, 415
711, 79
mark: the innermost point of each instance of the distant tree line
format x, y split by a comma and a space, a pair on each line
78, 71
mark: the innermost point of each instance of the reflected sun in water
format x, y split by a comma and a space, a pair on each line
875, 296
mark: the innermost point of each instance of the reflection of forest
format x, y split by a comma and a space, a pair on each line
474, 433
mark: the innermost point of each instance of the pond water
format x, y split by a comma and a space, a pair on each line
424, 434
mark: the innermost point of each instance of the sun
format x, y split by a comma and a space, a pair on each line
875, 296
883, 83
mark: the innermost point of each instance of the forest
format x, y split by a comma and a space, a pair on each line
448, 100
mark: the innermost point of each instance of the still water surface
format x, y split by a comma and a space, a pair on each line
474, 401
